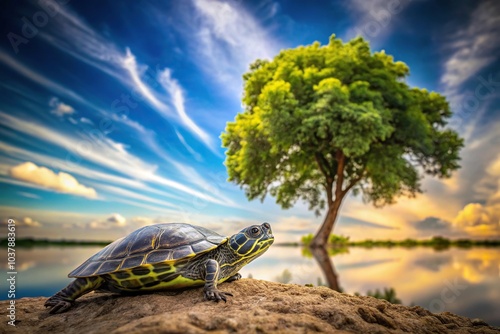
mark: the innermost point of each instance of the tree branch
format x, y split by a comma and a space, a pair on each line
340, 174
353, 183
324, 166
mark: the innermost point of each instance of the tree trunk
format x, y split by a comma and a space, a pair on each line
321, 238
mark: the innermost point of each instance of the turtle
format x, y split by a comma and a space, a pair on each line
166, 256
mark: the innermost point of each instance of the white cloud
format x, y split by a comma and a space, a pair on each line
480, 220
60, 182
484, 218
60, 108
114, 221
86, 121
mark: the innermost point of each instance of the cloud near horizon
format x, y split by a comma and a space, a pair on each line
113, 221
483, 219
46, 178
22, 222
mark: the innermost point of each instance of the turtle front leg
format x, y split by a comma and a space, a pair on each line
211, 277
64, 299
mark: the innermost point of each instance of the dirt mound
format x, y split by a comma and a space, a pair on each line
257, 307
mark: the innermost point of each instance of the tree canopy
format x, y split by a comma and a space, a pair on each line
320, 121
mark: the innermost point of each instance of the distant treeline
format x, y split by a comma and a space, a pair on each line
335, 241
31, 242
435, 242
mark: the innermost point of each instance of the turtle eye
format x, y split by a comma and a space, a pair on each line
255, 231
266, 225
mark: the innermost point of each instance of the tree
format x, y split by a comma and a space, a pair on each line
320, 121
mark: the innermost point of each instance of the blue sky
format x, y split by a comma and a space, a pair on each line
111, 112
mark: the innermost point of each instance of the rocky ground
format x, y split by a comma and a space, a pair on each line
257, 307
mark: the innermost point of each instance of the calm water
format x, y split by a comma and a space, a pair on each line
462, 281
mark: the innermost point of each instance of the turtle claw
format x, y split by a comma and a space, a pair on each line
217, 295
234, 278
58, 304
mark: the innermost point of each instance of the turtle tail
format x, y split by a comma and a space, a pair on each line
64, 299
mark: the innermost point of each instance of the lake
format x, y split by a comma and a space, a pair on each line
462, 281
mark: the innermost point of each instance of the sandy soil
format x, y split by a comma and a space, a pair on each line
257, 307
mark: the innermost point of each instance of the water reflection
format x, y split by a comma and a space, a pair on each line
326, 264
462, 281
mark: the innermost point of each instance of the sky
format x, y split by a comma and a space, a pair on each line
111, 112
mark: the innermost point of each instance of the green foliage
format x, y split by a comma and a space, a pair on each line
307, 239
436, 242
338, 240
339, 244
333, 240
334, 118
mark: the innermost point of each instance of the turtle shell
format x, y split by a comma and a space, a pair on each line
166, 243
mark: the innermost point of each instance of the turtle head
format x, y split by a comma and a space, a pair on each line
252, 241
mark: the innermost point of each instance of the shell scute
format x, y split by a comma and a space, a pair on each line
202, 245
159, 256
132, 261
182, 252
108, 266
119, 251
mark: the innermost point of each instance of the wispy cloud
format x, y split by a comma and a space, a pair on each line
472, 47
104, 152
60, 108
175, 92
71, 34
100, 180
174, 89
74, 36
226, 39
130, 64
34, 76
134, 195
28, 195
376, 18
